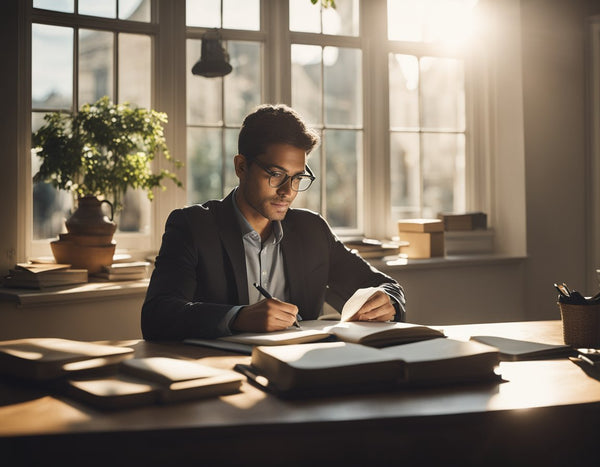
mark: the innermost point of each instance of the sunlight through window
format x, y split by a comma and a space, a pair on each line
441, 21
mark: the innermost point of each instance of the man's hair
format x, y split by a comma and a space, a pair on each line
274, 124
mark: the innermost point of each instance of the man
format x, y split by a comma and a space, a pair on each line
212, 254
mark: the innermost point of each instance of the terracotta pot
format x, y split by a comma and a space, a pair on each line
90, 257
89, 244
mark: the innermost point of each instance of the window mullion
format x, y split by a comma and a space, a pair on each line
75, 76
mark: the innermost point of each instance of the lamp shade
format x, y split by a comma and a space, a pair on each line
214, 59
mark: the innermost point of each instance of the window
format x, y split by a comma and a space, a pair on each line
103, 48
427, 106
384, 82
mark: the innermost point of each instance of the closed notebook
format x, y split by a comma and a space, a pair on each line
42, 358
336, 366
143, 381
113, 392
182, 379
513, 349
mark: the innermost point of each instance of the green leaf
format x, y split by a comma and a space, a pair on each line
103, 150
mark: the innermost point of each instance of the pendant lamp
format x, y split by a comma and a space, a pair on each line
214, 59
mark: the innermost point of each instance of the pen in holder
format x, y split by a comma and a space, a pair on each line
580, 318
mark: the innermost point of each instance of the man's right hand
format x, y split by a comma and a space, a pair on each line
267, 315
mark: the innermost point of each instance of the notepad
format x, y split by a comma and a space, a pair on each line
513, 349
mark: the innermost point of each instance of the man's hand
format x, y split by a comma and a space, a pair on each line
377, 308
265, 316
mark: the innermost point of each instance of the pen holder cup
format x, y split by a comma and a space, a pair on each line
581, 325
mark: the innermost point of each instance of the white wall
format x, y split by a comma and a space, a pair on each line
555, 102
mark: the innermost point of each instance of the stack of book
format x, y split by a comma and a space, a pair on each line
41, 275
463, 221
372, 248
425, 237
467, 233
150, 380
129, 271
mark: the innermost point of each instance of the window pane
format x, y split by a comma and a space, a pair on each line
203, 13
231, 146
304, 16
204, 95
50, 206
343, 154
95, 65
51, 67
135, 10
405, 19
66, 6
135, 87
241, 14
405, 183
307, 82
311, 199
104, 9
343, 86
343, 19
404, 91
243, 84
442, 89
135, 70
135, 216
204, 165
448, 21
443, 173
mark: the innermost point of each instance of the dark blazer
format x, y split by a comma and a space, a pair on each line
200, 270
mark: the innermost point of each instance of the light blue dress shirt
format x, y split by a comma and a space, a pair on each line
264, 265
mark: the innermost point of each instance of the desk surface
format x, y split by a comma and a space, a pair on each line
548, 407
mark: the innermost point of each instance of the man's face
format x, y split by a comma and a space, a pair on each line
259, 201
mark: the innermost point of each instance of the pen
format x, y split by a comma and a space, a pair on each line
268, 295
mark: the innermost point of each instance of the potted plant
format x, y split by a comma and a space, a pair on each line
97, 154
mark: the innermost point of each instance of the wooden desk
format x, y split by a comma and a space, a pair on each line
547, 412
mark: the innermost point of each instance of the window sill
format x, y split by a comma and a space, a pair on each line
102, 290
448, 261
93, 290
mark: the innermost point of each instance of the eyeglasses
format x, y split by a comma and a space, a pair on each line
300, 182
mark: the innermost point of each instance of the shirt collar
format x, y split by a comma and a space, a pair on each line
247, 228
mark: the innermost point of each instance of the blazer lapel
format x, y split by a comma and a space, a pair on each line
291, 246
231, 236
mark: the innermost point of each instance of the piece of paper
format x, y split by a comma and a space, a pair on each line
355, 302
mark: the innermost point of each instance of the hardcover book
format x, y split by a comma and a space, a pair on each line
44, 358
295, 369
143, 381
